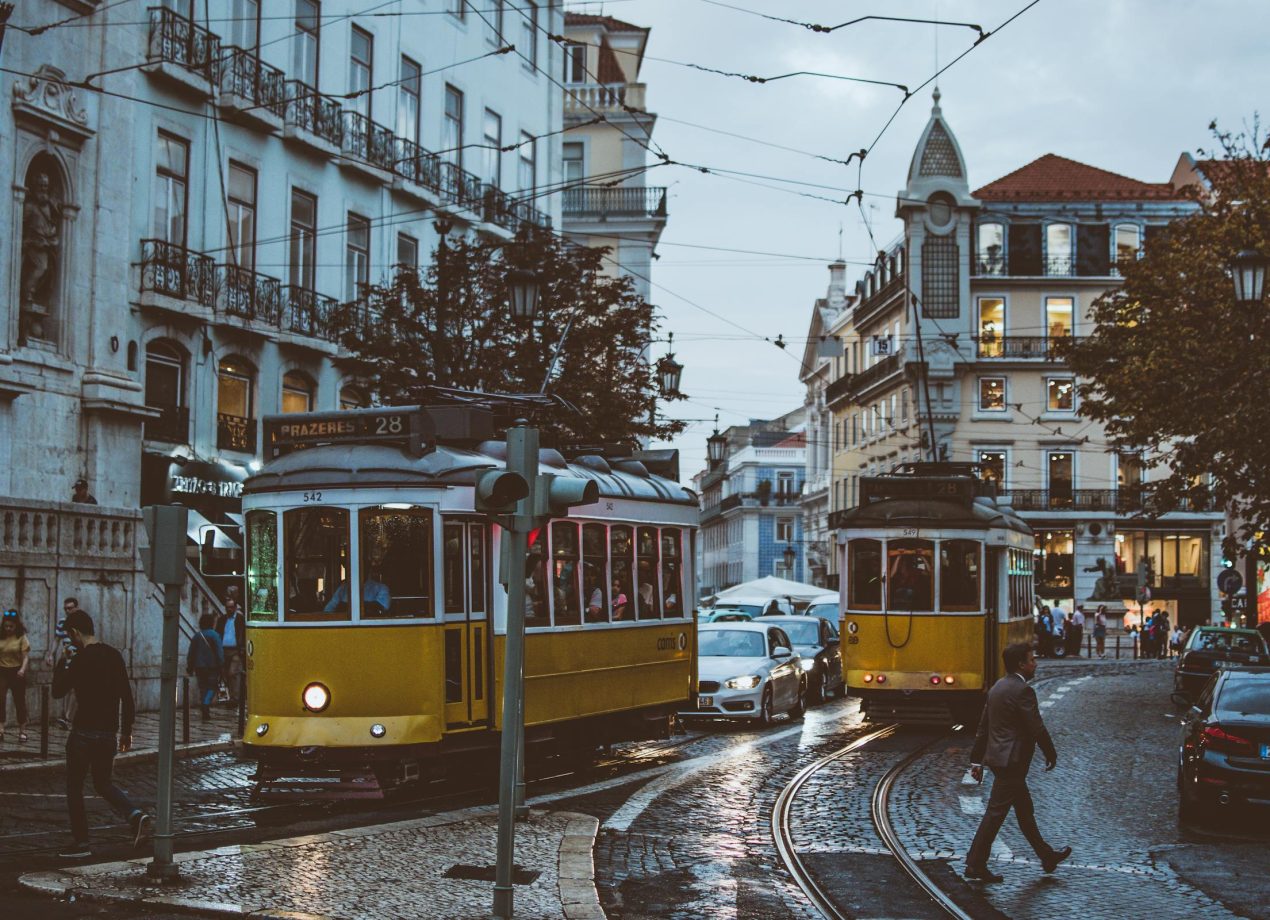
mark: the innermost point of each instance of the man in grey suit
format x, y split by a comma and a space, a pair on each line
1010, 730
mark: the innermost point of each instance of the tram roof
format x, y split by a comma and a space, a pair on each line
980, 514
385, 465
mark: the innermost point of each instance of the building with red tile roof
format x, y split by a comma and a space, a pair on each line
1055, 178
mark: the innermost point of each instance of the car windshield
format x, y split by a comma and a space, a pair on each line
802, 633
824, 611
730, 643
752, 609
1224, 641
1245, 697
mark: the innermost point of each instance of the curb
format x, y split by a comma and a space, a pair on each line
575, 870
182, 750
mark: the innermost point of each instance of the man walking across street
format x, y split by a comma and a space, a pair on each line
1010, 730
1076, 631
98, 677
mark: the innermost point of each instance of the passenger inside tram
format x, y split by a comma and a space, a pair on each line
594, 594
376, 598
621, 605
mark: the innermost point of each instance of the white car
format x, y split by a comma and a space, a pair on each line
748, 671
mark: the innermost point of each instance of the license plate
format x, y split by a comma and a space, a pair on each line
1223, 665
704, 701
1265, 752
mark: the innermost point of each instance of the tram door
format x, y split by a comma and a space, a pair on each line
467, 634
992, 614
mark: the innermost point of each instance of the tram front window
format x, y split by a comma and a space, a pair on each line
317, 563
959, 575
910, 574
262, 566
864, 574
396, 563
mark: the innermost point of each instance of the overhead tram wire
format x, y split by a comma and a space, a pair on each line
823, 29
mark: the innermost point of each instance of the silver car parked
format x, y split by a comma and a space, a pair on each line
748, 671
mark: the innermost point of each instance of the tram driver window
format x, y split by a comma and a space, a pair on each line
396, 563
648, 593
959, 565
595, 572
565, 573
262, 566
316, 563
864, 574
910, 575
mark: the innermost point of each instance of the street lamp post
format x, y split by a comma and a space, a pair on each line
1248, 273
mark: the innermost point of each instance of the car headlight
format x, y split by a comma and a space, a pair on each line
808, 664
748, 682
316, 697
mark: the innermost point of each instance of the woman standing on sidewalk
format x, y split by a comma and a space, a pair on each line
15, 658
1100, 630
206, 659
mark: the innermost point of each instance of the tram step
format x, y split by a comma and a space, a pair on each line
346, 785
909, 712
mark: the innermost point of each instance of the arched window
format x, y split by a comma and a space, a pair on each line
297, 393
353, 398
165, 391
235, 406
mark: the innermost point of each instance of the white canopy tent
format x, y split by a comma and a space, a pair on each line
771, 586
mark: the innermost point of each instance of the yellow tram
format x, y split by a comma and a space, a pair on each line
937, 581
351, 690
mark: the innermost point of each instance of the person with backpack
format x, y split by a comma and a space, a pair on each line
205, 660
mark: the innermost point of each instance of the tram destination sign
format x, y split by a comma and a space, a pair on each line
959, 489
408, 426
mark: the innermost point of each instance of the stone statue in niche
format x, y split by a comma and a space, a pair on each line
1105, 586
41, 247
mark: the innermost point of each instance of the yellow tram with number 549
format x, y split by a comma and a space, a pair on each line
937, 581
376, 620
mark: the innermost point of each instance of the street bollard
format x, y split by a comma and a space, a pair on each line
44, 722
185, 710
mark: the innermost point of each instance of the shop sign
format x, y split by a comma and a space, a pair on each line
197, 485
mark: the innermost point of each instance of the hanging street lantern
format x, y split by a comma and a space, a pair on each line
669, 373
1248, 270
522, 287
790, 556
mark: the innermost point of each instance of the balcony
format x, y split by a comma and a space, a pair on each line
312, 119
1060, 266
839, 389
760, 500
1116, 501
248, 295
182, 51
172, 426
234, 433
366, 143
307, 312
583, 99
176, 272
251, 90
599, 203
862, 381
992, 265
1015, 347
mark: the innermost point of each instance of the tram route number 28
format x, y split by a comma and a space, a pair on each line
312, 496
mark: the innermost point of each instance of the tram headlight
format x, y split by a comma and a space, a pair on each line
748, 682
262, 729
807, 664
868, 678
316, 697
378, 731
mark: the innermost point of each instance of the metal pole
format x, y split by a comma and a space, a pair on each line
162, 867
522, 457
44, 722
522, 810
185, 710
242, 696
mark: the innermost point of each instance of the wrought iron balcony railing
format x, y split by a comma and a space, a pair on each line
600, 202
243, 74
235, 433
369, 142
1118, 501
308, 110
175, 271
1061, 266
172, 426
867, 378
992, 265
839, 388
307, 312
1014, 347
248, 295
177, 40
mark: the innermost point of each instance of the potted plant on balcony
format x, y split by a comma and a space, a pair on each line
764, 491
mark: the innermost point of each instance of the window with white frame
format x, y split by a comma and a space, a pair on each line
171, 183
1059, 249
1128, 242
784, 530
356, 256
303, 262
360, 63
1060, 394
409, 93
992, 466
1059, 314
240, 209
990, 252
452, 127
527, 169
493, 148
574, 63
245, 28
528, 44
306, 42
785, 483
992, 394
574, 165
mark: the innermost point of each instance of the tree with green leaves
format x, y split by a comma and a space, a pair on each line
450, 326
1176, 368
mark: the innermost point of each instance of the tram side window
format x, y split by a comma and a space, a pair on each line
595, 567
622, 541
864, 574
262, 567
396, 563
672, 571
910, 574
959, 574
565, 574
536, 611
648, 600
476, 535
452, 567
317, 564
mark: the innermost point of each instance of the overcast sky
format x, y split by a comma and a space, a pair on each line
1125, 85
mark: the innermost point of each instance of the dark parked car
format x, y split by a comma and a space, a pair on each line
1215, 648
1224, 759
816, 642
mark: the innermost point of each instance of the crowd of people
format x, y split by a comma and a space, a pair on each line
1060, 635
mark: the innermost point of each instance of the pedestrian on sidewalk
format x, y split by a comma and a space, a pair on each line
15, 660
1076, 631
1010, 730
61, 649
1100, 630
96, 673
205, 659
231, 626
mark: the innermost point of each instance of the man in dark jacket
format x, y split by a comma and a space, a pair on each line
231, 626
1010, 730
99, 679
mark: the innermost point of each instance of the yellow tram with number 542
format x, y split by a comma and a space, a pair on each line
937, 581
376, 622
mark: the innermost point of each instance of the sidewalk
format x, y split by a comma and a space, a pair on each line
216, 735
427, 867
